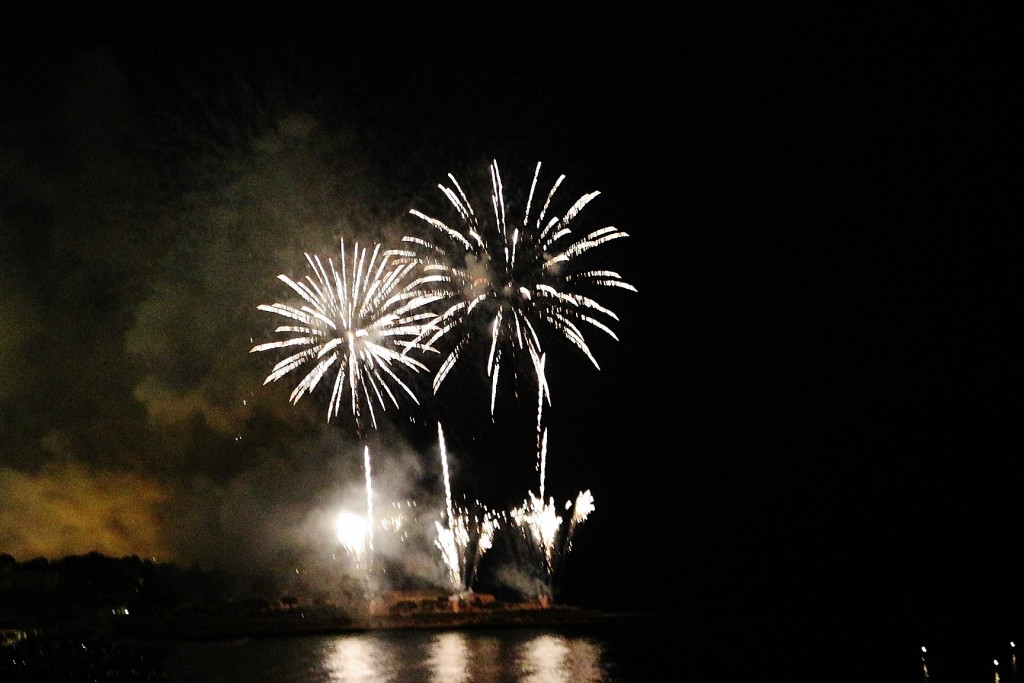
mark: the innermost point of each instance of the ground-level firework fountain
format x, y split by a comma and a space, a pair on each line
545, 536
464, 536
355, 532
540, 534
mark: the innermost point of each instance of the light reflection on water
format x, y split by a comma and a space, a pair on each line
472, 656
355, 659
448, 658
554, 658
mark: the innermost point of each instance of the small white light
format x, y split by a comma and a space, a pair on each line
996, 662
924, 649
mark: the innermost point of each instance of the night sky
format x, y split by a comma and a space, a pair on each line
811, 415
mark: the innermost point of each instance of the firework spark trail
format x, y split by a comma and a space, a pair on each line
369, 499
542, 462
467, 534
396, 522
539, 524
361, 323
542, 393
444, 472
516, 276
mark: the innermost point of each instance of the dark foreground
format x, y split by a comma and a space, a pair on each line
644, 647
325, 619
132, 649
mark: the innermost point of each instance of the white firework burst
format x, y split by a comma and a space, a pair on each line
510, 275
359, 323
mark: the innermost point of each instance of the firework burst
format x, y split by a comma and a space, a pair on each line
511, 274
359, 323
